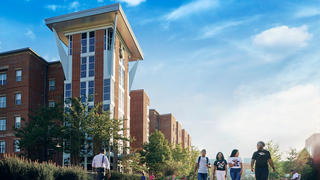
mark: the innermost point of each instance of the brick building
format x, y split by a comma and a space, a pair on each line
312, 142
185, 143
100, 44
189, 141
27, 82
168, 128
154, 118
139, 118
178, 133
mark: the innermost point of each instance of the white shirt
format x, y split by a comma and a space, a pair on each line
295, 176
235, 161
97, 161
202, 166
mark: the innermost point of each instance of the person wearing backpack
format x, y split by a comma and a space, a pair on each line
202, 165
260, 159
101, 164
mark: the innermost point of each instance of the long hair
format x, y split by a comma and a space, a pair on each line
222, 157
234, 152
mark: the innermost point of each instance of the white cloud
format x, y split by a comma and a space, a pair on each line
74, 5
283, 36
307, 12
191, 8
30, 34
287, 116
132, 2
52, 7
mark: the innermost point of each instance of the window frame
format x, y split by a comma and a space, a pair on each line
3, 102
54, 84
18, 77
3, 124
15, 98
15, 121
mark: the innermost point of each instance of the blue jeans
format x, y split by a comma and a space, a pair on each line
202, 176
235, 173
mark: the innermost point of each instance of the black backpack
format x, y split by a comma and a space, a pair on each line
200, 158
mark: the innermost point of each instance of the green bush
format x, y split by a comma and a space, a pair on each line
16, 168
121, 176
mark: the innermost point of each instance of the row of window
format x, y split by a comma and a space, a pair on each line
16, 146
3, 77
3, 100
87, 91
87, 67
88, 41
3, 123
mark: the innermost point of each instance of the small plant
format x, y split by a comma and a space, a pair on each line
12, 167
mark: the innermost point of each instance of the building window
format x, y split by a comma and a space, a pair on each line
110, 34
84, 42
70, 45
18, 75
91, 41
83, 70
3, 101
106, 89
18, 98
2, 124
3, 79
90, 108
17, 122
51, 103
52, 84
2, 146
16, 145
91, 66
106, 107
68, 93
91, 91
83, 90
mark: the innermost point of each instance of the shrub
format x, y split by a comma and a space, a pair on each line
121, 176
16, 168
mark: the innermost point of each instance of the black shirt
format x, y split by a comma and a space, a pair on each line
220, 164
261, 157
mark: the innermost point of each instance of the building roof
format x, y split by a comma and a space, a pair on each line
27, 49
96, 18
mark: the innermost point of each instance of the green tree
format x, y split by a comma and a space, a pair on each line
157, 153
41, 132
76, 121
276, 157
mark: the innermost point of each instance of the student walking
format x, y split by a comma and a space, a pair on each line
260, 159
202, 165
220, 168
100, 163
235, 164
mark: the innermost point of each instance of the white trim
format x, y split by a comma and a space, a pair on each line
87, 30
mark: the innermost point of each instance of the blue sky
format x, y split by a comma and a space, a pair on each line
232, 72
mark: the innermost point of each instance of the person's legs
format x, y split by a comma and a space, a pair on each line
232, 173
199, 176
205, 176
237, 174
262, 173
220, 175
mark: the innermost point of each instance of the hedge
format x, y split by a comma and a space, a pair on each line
21, 169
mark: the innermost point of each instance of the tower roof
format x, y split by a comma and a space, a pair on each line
96, 18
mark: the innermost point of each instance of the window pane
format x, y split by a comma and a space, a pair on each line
2, 146
18, 75
2, 125
3, 102
17, 122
